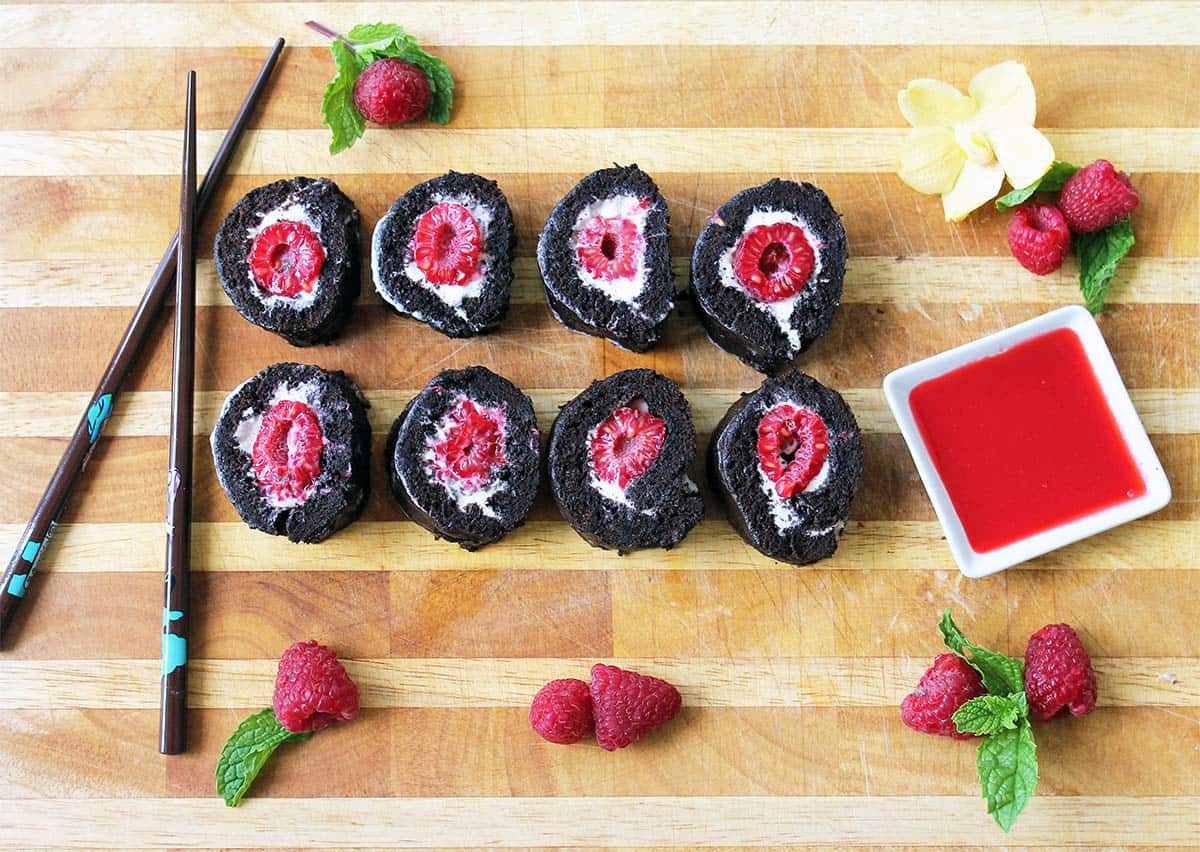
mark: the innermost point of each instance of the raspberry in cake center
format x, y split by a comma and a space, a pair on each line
468, 445
609, 241
793, 444
286, 457
773, 262
447, 243
625, 445
286, 259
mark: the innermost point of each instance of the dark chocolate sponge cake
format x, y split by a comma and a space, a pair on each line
767, 272
619, 458
288, 257
292, 448
443, 254
786, 459
605, 258
463, 458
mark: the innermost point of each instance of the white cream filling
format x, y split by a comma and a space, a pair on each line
290, 211
625, 290
782, 511
451, 295
246, 432
463, 494
781, 311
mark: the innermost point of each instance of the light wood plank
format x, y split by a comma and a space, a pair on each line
507, 682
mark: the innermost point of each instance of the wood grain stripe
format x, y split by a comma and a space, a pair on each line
1164, 22
31, 414
775, 681
554, 546
869, 280
548, 150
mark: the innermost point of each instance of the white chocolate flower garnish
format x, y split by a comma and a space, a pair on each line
962, 146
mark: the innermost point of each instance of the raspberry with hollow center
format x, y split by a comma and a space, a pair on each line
446, 244
392, 91
1058, 674
312, 689
793, 444
610, 247
773, 262
626, 444
1039, 238
287, 451
286, 258
949, 684
472, 446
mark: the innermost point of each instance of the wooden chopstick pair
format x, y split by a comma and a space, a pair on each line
177, 263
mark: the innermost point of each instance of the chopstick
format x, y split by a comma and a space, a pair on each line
32, 544
172, 729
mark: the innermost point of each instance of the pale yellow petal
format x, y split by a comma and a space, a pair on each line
975, 187
1023, 151
1005, 94
931, 160
932, 103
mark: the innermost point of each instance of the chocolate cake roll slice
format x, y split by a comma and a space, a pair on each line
463, 458
605, 258
767, 272
786, 459
619, 458
292, 449
443, 254
288, 257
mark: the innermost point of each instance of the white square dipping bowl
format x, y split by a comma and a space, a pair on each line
898, 384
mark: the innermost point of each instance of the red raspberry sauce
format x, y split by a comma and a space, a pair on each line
1024, 440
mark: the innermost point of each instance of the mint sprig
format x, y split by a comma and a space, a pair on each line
352, 54
1008, 771
247, 751
1002, 675
990, 714
1099, 254
1051, 181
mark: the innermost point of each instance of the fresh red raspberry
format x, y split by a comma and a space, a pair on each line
628, 704
610, 247
312, 689
1096, 196
446, 244
949, 684
562, 711
472, 447
286, 258
286, 456
792, 446
1058, 674
1039, 238
626, 444
392, 91
773, 262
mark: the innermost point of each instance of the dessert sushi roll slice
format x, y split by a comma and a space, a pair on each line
619, 458
463, 458
605, 258
292, 447
767, 272
786, 460
288, 257
443, 254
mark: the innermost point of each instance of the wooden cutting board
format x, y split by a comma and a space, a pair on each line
791, 677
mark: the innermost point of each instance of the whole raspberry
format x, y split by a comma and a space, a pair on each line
949, 684
392, 91
1058, 674
628, 704
562, 711
1096, 196
312, 689
1039, 237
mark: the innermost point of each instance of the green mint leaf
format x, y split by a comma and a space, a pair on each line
1002, 675
337, 107
1008, 772
990, 714
1051, 181
371, 38
441, 84
1099, 254
244, 755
